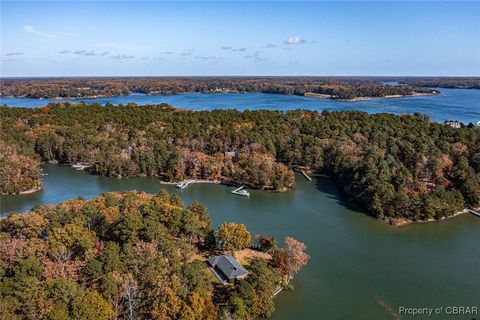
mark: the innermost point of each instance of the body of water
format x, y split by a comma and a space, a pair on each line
452, 104
359, 267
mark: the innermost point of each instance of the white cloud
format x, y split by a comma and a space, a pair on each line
255, 57
233, 49
30, 29
121, 57
294, 40
83, 52
206, 57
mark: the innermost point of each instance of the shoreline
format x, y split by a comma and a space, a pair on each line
193, 181
306, 94
394, 96
160, 178
401, 222
393, 222
28, 191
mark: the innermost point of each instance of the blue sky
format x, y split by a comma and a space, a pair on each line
239, 38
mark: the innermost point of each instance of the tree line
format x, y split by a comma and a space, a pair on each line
444, 82
19, 173
334, 87
393, 166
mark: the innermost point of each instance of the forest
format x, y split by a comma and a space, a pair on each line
444, 82
133, 255
394, 167
19, 173
333, 87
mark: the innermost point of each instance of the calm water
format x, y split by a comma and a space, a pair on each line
356, 261
452, 104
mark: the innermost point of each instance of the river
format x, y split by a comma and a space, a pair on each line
358, 267
451, 104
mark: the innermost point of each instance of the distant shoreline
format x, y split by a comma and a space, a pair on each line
306, 94
28, 191
328, 96
401, 222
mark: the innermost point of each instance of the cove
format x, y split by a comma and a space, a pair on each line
359, 267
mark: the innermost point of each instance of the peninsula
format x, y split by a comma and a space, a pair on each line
138, 256
395, 167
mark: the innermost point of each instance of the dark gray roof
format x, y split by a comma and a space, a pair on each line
230, 267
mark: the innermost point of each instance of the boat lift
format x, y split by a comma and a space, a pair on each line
241, 192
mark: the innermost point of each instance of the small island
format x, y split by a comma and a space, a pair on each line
141, 256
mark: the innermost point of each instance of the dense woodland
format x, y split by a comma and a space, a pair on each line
336, 88
444, 82
393, 166
132, 256
19, 173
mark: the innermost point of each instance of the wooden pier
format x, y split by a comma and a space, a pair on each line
475, 213
241, 192
306, 175
80, 166
279, 289
184, 184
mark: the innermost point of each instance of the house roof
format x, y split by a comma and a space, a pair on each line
230, 267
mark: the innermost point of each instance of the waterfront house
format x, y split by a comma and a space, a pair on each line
453, 124
226, 268
230, 154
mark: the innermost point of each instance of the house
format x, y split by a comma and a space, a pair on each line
453, 124
230, 154
227, 268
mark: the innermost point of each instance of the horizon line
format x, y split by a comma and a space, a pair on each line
240, 76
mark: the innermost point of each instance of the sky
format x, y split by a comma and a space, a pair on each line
121, 38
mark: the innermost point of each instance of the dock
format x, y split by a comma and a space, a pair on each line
475, 213
184, 184
279, 289
241, 192
306, 175
466, 210
80, 166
